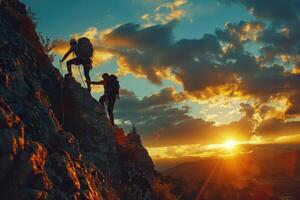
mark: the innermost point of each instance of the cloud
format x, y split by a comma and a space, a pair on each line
248, 109
282, 42
242, 31
151, 112
213, 66
133, 36
282, 36
161, 120
167, 12
279, 10
201, 66
175, 13
152, 51
288, 139
278, 127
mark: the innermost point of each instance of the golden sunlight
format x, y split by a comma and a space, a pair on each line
230, 144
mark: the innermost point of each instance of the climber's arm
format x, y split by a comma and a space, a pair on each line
67, 54
97, 82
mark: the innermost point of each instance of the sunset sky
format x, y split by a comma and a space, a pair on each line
193, 72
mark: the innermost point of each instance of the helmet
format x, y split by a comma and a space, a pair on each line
73, 41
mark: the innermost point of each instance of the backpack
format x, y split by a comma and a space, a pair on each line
113, 85
85, 48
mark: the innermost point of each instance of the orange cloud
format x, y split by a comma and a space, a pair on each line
166, 12
296, 69
218, 149
202, 150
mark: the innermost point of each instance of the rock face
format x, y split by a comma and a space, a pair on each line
55, 139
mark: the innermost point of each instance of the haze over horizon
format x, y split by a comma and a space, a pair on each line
193, 72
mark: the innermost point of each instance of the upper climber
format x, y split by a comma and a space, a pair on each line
83, 50
111, 93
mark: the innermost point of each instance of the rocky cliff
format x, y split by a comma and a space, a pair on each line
55, 139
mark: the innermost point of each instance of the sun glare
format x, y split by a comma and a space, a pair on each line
230, 144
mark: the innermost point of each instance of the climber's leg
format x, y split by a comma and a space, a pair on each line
110, 109
102, 100
73, 61
86, 70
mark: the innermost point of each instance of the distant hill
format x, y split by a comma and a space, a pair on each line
273, 176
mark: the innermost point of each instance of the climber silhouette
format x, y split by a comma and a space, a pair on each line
83, 50
111, 93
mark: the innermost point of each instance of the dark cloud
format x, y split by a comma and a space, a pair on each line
188, 131
264, 110
150, 112
248, 110
274, 10
187, 50
157, 117
278, 127
153, 38
161, 122
237, 34
199, 75
166, 96
283, 35
153, 49
283, 39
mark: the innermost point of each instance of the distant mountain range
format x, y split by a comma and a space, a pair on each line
269, 172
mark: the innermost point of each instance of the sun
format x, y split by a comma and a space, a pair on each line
230, 144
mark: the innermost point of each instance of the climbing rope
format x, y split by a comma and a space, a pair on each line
61, 69
203, 188
82, 81
78, 66
61, 96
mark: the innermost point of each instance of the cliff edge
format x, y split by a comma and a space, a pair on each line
55, 139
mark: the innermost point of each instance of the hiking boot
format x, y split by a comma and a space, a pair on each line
68, 75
